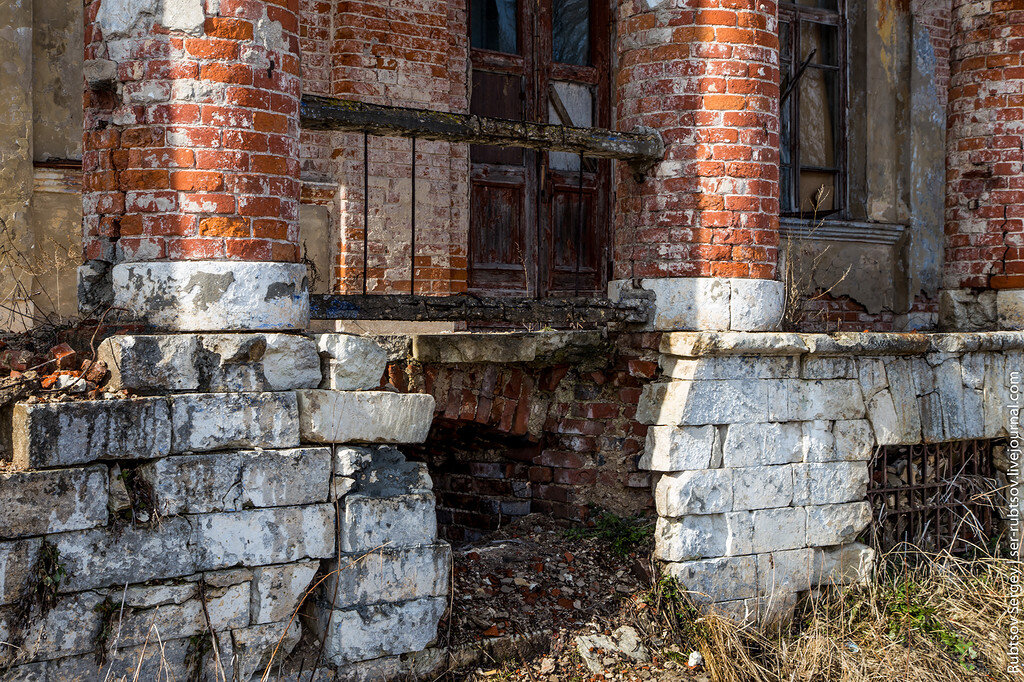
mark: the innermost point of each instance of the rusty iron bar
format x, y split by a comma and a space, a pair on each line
640, 149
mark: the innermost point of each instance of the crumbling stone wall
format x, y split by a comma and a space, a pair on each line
761, 443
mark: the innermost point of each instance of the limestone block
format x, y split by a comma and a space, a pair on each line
748, 445
762, 487
886, 421
255, 646
40, 502
700, 303
350, 362
231, 481
369, 523
694, 537
418, 665
974, 413
718, 579
835, 524
257, 537
785, 572
1010, 308
98, 558
380, 630
949, 384
46, 435
687, 403
756, 305
364, 416
152, 362
228, 608
17, 567
397, 478
214, 295
277, 590
829, 483
818, 443
349, 460
996, 397
682, 448
731, 367
389, 575
847, 565
872, 377
801, 400
215, 421
341, 486
291, 362
701, 344
694, 492
854, 440
817, 367
70, 627
779, 529
768, 611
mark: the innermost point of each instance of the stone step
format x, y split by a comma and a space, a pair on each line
364, 416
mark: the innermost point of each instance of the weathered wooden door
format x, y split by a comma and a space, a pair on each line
538, 221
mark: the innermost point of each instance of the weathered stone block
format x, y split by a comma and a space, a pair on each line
829, 483
694, 537
801, 400
694, 492
291, 361
818, 444
785, 572
45, 435
227, 607
389, 575
214, 295
715, 580
364, 416
379, 630
17, 567
369, 523
851, 564
731, 367
854, 440
40, 502
815, 367
762, 487
349, 460
231, 481
152, 362
350, 362
255, 646
836, 524
70, 627
277, 590
704, 402
682, 448
257, 537
749, 445
779, 529
214, 421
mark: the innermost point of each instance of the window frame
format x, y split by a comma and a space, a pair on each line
794, 14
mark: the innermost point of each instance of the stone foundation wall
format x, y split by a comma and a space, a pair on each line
202, 511
761, 444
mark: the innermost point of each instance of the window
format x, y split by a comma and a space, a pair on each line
539, 223
812, 154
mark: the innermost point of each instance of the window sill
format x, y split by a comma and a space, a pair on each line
840, 230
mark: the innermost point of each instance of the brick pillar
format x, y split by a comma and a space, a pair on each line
191, 143
702, 230
984, 272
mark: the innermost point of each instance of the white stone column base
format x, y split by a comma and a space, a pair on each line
711, 303
194, 296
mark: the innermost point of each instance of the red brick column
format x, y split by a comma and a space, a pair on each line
191, 131
984, 155
706, 76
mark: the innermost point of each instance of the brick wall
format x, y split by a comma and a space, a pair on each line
706, 76
409, 53
192, 151
984, 182
511, 439
827, 313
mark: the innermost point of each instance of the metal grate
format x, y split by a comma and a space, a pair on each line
934, 497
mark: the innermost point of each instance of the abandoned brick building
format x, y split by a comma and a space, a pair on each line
707, 258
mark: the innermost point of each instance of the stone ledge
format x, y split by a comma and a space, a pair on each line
364, 416
502, 347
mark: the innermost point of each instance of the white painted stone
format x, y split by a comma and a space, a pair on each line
683, 448
388, 575
350, 362
800, 400
277, 590
214, 295
695, 537
716, 580
62, 434
829, 483
291, 362
364, 416
748, 445
1010, 308
694, 492
854, 440
379, 630
215, 421
369, 523
848, 565
705, 402
41, 502
756, 305
836, 524
762, 487
785, 572
17, 567
779, 529
264, 536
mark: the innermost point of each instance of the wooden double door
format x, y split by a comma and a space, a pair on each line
539, 221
